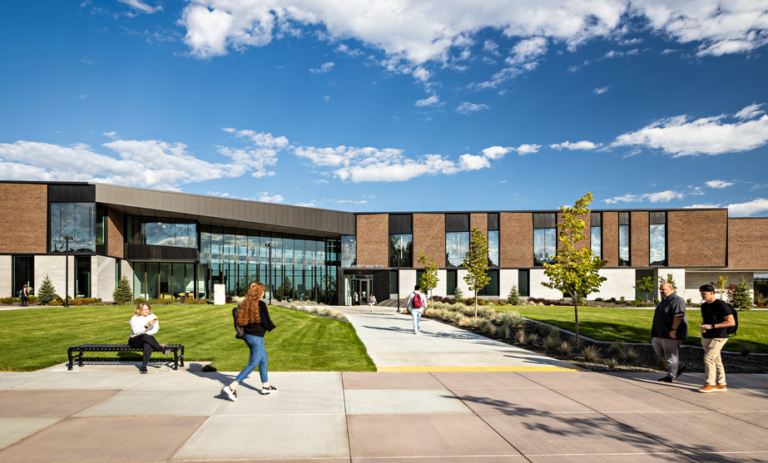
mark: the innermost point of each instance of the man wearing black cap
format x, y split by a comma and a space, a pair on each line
716, 317
670, 329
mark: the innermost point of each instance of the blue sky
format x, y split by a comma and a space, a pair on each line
397, 105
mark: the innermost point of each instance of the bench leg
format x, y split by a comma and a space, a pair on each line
80, 359
70, 363
175, 359
182, 356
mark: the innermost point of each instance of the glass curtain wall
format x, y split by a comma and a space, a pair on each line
624, 239
456, 248
162, 232
544, 238
401, 245
77, 220
348, 251
658, 238
163, 280
596, 233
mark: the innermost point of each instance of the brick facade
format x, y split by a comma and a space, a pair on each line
115, 237
697, 238
611, 238
23, 218
639, 252
516, 239
429, 238
479, 221
748, 244
587, 218
373, 239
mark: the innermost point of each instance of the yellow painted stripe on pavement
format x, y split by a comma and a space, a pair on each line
470, 369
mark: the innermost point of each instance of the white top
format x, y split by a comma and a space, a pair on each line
138, 322
371, 299
410, 300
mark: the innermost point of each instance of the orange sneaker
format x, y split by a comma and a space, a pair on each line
708, 388
721, 387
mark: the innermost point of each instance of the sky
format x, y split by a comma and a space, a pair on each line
394, 105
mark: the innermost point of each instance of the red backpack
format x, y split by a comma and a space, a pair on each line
416, 301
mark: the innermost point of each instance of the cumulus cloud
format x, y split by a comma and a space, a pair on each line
749, 208
718, 184
323, 69
682, 136
469, 108
701, 206
524, 57
601, 90
468, 162
579, 145
266, 197
524, 149
496, 152
660, 197
141, 6
431, 101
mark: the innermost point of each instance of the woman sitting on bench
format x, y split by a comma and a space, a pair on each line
144, 325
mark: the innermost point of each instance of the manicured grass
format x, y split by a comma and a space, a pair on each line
634, 325
38, 338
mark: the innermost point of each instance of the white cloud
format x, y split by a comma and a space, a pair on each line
681, 136
468, 162
141, 6
349, 201
428, 30
600, 91
491, 47
327, 98
718, 184
469, 108
260, 139
110, 134
750, 111
496, 152
309, 204
321, 181
349, 51
267, 198
431, 101
660, 197
323, 69
524, 57
579, 145
701, 206
524, 149
748, 208
83, 96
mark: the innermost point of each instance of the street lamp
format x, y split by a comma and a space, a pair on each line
66, 270
398, 282
270, 245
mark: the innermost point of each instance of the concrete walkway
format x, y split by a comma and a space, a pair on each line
393, 347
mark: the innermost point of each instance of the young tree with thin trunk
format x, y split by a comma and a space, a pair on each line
429, 279
574, 272
476, 262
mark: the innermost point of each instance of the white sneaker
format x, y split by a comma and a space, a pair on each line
268, 390
232, 395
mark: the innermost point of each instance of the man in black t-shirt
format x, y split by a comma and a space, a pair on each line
670, 329
716, 317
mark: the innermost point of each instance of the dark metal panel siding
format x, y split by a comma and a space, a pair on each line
71, 193
400, 224
596, 219
144, 252
493, 221
545, 220
456, 223
623, 218
658, 218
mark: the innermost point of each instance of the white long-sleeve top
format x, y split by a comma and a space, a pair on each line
138, 322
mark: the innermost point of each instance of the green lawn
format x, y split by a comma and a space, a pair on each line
38, 338
634, 325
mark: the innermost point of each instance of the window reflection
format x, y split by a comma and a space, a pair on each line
162, 232
544, 245
401, 245
624, 245
456, 248
596, 241
493, 248
77, 220
658, 243
348, 251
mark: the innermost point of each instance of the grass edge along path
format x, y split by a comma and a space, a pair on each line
38, 338
634, 325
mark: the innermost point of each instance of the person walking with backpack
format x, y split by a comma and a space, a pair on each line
253, 316
415, 304
717, 316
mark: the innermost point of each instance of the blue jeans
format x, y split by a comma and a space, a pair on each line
416, 314
258, 358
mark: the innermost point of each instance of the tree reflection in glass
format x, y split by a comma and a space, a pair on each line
544, 245
658, 244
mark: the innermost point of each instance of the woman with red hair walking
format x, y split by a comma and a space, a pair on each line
253, 316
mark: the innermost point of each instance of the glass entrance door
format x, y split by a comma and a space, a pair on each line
357, 289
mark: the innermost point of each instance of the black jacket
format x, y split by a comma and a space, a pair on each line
260, 329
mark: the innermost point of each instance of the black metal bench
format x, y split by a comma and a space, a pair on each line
77, 352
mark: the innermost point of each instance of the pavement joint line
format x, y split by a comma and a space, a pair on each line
436, 369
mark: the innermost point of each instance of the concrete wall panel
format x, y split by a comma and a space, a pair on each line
102, 277
6, 277
53, 266
537, 277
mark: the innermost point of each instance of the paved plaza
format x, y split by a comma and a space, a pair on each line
519, 407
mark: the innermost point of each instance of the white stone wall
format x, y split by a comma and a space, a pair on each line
679, 275
407, 282
442, 284
507, 279
6, 277
620, 283
693, 280
462, 285
102, 277
537, 290
53, 266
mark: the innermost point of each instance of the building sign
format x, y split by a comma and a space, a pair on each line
364, 266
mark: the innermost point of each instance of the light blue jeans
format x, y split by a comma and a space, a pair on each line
258, 358
416, 314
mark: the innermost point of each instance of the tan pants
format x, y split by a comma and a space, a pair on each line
713, 362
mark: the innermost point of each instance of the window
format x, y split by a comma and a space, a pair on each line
624, 239
162, 232
596, 233
348, 251
101, 229
77, 220
23, 274
401, 245
658, 238
393, 282
419, 274
83, 276
456, 239
493, 240
544, 237
451, 281
492, 288
523, 285
761, 285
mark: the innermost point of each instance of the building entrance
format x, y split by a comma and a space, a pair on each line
357, 289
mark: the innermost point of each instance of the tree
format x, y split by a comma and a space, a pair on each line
123, 293
742, 300
476, 262
514, 296
458, 296
720, 286
46, 292
574, 272
647, 285
429, 279
670, 279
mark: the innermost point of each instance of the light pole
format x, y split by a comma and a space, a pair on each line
269, 245
398, 282
66, 270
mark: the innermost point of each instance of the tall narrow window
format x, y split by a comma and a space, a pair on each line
544, 237
101, 229
492, 288
456, 239
451, 280
658, 238
493, 240
624, 239
23, 274
596, 233
348, 251
401, 240
523, 279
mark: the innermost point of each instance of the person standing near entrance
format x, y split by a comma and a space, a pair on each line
24, 295
717, 317
670, 329
415, 304
356, 299
372, 301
